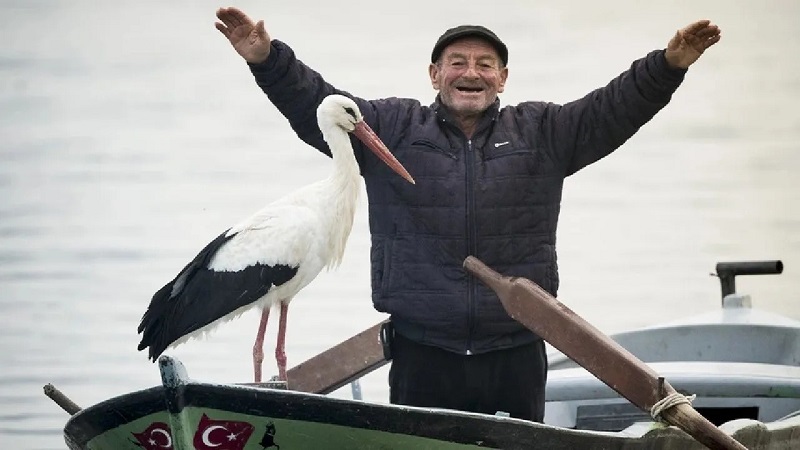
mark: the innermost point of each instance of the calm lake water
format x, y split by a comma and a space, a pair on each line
132, 134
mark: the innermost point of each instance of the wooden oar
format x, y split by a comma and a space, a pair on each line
539, 311
347, 361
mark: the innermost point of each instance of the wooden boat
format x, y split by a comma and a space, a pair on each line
752, 391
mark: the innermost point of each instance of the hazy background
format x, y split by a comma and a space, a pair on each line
132, 134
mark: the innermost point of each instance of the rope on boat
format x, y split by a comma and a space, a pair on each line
668, 402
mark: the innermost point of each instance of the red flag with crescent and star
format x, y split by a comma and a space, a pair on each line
156, 437
214, 434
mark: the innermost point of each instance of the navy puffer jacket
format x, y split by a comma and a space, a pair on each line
496, 196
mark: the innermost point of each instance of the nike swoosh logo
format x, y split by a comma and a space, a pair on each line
500, 144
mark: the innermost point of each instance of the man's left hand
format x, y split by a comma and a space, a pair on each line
689, 43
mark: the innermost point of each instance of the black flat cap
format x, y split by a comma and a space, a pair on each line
462, 31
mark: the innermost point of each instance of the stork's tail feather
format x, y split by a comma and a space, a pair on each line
156, 327
152, 326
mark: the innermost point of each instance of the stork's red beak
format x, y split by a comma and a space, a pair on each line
374, 143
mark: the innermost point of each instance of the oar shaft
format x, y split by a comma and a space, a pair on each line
585, 344
563, 329
528, 303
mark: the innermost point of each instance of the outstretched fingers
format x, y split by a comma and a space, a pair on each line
707, 36
700, 35
707, 32
250, 39
696, 26
711, 41
223, 29
234, 17
686, 46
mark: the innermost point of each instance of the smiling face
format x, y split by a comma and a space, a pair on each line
468, 76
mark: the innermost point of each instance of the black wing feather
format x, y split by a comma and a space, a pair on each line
198, 296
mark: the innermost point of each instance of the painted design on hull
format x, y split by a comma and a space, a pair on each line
213, 434
268, 440
210, 434
157, 436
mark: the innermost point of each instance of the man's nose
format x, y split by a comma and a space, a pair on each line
472, 71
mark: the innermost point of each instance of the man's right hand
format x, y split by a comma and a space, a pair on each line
249, 39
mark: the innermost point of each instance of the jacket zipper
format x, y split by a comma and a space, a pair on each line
471, 242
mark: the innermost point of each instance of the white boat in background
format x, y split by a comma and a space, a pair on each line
741, 363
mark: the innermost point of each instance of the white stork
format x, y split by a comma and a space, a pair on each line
268, 258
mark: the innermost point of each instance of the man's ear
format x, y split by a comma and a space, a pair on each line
503, 78
433, 72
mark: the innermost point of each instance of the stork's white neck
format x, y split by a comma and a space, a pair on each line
345, 185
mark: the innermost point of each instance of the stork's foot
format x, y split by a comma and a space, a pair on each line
275, 383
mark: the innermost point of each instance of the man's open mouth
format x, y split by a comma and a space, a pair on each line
469, 89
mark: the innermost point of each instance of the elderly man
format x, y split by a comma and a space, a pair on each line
489, 183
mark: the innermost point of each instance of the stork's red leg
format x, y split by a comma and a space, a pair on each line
258, 347
280, 350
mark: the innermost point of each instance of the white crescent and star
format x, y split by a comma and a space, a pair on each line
164, 433
207, 435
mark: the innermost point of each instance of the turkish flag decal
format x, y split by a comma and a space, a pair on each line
221, 434
156, 437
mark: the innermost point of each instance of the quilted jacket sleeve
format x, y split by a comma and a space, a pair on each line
586, 130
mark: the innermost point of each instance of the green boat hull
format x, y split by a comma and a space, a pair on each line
183, 414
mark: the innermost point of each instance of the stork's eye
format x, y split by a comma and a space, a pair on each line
350, 111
